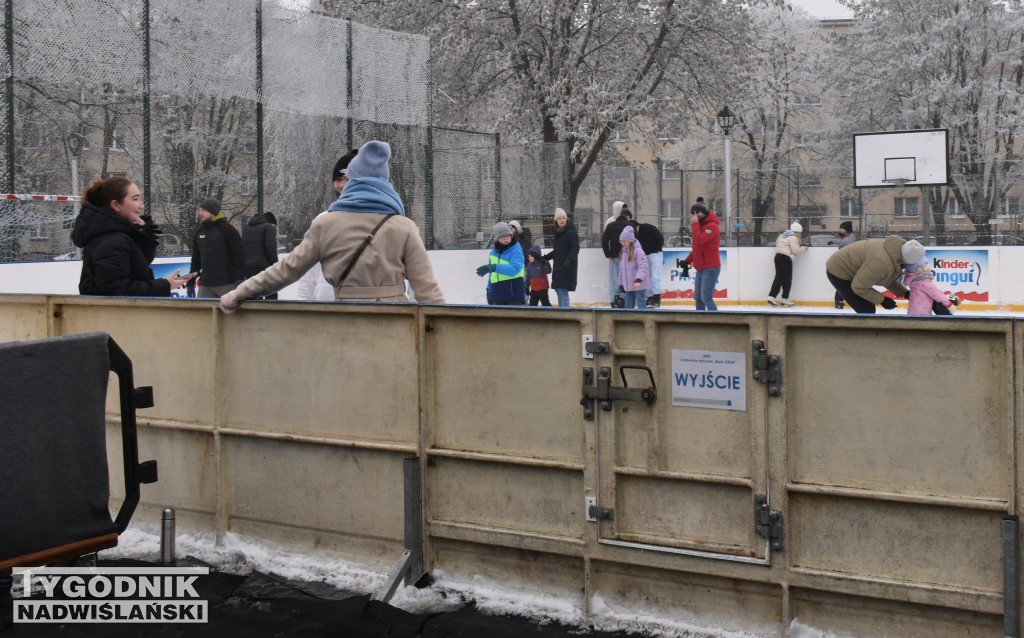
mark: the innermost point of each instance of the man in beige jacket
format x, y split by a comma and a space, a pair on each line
854, 270
367, 207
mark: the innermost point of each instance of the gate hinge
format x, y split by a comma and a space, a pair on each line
767, 368
604, 392
768, 523
596, 512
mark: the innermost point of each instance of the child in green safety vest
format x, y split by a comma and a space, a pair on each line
506, 269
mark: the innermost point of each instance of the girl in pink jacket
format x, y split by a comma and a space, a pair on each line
634, 274
925, 296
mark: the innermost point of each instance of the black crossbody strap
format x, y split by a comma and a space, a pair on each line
355, 257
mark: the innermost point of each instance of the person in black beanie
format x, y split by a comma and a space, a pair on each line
312, 286
217, 252
846, 237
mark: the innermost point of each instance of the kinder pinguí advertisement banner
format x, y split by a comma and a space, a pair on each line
961, 272
675, 286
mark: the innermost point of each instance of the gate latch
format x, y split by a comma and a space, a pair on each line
767, 368
768, 522
605, 393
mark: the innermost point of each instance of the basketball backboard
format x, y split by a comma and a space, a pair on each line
901, 158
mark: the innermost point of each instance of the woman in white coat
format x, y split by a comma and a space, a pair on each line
787, 247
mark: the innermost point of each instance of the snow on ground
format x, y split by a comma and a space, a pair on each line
242, 555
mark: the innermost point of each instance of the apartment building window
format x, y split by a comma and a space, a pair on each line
39, 231
809, 180
849, 207
905, 206
117, 141
953, 208
247, 185
671, 209
489, 172
1009, 207
35, 135
670, 170
715, 165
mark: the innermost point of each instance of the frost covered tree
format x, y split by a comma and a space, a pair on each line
954, 64
773, 92
565, 70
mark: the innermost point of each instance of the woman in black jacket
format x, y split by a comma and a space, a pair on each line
564, 257
118, 243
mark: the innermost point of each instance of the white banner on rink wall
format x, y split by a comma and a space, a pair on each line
985, 276
716, 380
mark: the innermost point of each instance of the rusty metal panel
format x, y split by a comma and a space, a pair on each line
292, 491
896, 542
680, 477
171, 346
506, 498
349, 374
505, 383
22, 318
895, 409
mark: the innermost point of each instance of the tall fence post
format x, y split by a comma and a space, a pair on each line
147, 149
9, 86
259, 107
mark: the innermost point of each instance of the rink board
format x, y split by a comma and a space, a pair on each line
890, 450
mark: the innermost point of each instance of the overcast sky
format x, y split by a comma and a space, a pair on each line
823, 9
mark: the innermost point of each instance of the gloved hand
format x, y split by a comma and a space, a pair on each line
229, 302
831, 243
906, 295
483, 270
621, 289
888, 303
686, 269
953, 299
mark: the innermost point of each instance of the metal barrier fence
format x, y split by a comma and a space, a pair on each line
863, 477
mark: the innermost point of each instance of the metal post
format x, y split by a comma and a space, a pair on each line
348, 97
9, 86
147, 159
413, 518
926, 225
1011, 577
728, 189
259, 107
167, 551
497, 172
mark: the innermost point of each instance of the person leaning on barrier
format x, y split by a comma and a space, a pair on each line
367, 209
853, 271
118, 243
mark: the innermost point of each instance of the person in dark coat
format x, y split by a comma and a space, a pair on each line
217, 252
259, 238
564, 257
611, 245
653, 242
118, 243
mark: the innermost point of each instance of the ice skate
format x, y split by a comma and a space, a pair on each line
786, 302
772, 301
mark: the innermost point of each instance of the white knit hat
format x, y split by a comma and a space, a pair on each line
796, 227
560, 214
912, 252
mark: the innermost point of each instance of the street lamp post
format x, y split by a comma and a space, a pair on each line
726, 120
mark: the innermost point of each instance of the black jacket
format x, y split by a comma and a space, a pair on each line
564, 257
610, 238
259, 238
116, 255
217, 254
650, 238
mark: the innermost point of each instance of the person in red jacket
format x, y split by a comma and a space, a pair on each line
704, 257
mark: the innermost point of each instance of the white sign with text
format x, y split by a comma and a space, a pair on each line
715, 380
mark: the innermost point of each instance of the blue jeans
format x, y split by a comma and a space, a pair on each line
636, 299
563, 297
655, 264
704, 288
613, 278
